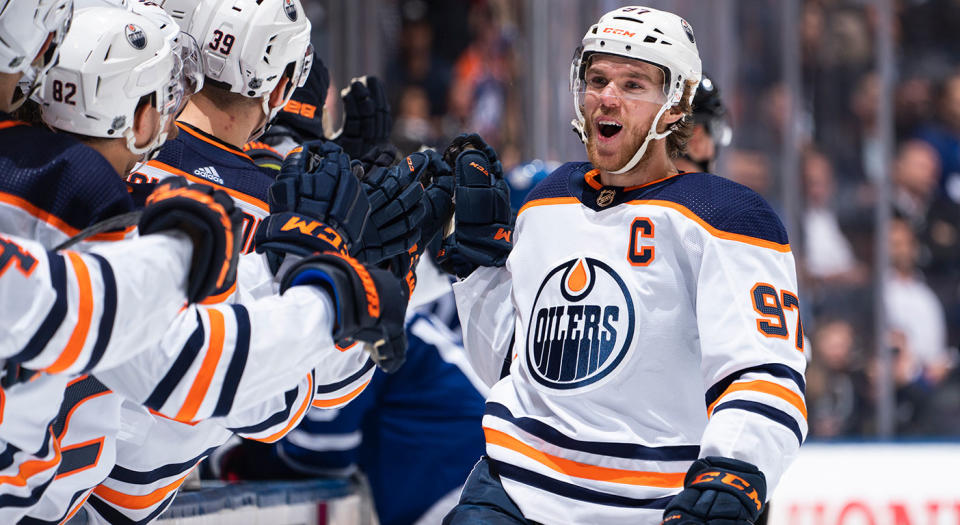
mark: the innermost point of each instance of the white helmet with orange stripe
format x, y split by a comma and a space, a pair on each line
26, 26
656, 37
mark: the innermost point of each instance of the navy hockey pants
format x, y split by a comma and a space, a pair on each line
484, 502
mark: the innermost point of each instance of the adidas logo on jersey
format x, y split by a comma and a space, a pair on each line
209, 173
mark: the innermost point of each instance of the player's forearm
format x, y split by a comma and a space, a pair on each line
80, 311
487, 318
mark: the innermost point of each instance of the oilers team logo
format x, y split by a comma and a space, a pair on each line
290, 8
581, 326
136, 36
688, 30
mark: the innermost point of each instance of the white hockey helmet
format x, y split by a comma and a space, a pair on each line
656, 37
112, 58
249, 46
25, 27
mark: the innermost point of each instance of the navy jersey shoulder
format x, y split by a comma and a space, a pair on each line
204, 156
723, 204
60, 176
557, 184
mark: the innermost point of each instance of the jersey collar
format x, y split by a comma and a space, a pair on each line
210, 139
598, 197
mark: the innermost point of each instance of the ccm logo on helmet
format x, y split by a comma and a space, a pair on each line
581, 325
618, 31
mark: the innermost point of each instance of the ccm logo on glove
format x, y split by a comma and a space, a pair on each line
308, 228
732, 480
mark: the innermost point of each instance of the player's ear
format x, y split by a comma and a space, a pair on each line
670, 116
278, 95
145, 122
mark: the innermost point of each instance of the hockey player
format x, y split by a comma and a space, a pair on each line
710, 132
649, 317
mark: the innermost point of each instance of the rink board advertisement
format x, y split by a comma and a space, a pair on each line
915, 484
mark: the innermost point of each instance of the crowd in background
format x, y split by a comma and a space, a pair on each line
455, 67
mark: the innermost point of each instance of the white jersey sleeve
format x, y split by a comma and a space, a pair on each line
751, 337
488, 320
70, 312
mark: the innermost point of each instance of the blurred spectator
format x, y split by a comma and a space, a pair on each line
412, 127
828, 255
944, 135
837, 386
913, 308
915, 176
420, 64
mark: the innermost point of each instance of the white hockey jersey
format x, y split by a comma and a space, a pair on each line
647, 327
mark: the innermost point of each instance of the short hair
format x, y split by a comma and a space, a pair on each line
683, 128
226, 100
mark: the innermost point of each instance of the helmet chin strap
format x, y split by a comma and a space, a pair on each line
651, 135
151, 150
271, 113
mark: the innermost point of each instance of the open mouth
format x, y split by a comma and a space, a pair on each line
608, 128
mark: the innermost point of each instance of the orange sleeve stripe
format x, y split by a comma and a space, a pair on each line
746, 239
221, 297
128, 501
329, 403
12, 124
199, 180
583, 470
118, 235
296, 417
78, 338
28, 469
76, 507
198, 390
765, 387
548, 202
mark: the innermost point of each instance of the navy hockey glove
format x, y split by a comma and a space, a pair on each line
439, 185
370, 304
396, 211
367, 121
718, 491
302, 118
213, 223
482, 218
317, 204
380, 156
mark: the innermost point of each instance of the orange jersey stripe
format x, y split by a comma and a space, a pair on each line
584, 470
84, 315
128, 501
76, 507
12, 124
746, 239
193, 178
33, 467
765, 387
548, 202
38, 213
327, 403
198, 390
212, 142
221, 297
296, 417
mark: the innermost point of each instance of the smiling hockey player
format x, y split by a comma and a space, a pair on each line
649, 317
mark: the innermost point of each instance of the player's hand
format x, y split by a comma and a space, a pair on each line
213, 223
370, 303
317, 204
482, 218
718, 491
367, 121
396, 211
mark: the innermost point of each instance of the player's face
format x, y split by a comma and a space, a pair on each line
622, 98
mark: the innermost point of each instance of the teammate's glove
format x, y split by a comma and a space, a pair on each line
380, 156
370, 304
316, 205
396, 211
213, 223
482, 220
367, 121
718, 491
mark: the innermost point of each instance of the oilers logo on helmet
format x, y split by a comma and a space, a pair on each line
576, 341
136, 36
290, 9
